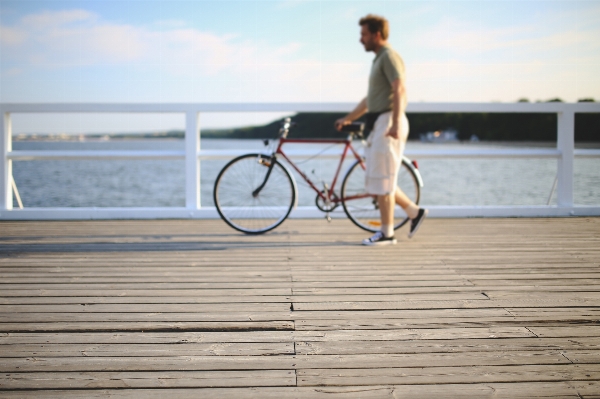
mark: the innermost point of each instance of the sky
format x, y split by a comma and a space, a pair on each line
284, 51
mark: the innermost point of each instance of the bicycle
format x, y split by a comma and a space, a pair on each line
254, 193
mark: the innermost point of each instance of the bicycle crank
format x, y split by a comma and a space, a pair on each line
326, 205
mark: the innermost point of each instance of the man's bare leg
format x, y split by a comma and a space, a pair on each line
386, 210
411, 209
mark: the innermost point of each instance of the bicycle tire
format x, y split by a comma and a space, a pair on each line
363, 210
239, 208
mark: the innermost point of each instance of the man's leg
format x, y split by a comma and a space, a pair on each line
386, 209
411, 209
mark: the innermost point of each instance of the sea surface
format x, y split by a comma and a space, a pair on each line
161, 183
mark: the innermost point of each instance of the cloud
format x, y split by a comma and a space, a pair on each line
49, 19
80, 38
171, 23
456, 37
74, 37
11, 72
180, 63
11, 36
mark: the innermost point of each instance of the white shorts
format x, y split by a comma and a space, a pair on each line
384, 155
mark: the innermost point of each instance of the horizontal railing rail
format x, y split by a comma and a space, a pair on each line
192, 155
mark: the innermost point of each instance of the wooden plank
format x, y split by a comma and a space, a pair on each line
142, 279
239, 299
148, 350
68, 292
413, 334
418, 290
359, 297
571, 331
145, 287
536, 282
457, 304
586, 389
162, 379
143, 337
195, 363
528, 276
371, 277
567, 269
99, 326
400, 314
447, 345
592, 312
51, 317
267, 336
582, 356
506, 295
246, 269
523, 390
147, 308
234, 299
448, 375
385, 324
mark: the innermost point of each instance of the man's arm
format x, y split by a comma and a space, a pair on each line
398, 107
359, 111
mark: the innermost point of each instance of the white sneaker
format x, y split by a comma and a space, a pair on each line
379, 239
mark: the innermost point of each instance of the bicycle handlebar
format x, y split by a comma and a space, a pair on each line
354, 128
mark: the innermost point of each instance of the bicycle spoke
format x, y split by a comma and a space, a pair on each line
363, 210
235, 199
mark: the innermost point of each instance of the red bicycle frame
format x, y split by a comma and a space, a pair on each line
328, 195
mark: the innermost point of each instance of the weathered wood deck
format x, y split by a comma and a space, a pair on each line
468, 308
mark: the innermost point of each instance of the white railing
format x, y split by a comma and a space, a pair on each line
564, 152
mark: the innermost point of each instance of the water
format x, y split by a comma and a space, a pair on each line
161, 183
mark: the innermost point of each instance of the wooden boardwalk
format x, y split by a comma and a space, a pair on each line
476, 308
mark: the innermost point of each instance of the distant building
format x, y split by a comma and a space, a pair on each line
439, 136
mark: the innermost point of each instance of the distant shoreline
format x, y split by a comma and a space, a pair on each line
487, 127
132, 138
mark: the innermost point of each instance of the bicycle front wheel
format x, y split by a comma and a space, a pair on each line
362, 209
246, 210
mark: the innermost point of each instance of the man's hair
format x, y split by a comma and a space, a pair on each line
375, 24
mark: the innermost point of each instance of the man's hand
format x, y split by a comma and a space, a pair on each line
358, 111
341, 123
394, 132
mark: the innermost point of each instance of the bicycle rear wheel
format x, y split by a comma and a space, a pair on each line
234, 194
362, 209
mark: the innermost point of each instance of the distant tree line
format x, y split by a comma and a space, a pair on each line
487, 126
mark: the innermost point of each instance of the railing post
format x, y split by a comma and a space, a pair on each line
192, 166
566, 144
6, 200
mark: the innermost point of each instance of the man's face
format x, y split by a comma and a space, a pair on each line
368, 39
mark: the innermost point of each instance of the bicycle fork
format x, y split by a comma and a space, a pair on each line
270, 163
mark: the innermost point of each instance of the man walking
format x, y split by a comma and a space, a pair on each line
384, 105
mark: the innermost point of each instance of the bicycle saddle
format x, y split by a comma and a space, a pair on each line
354, 127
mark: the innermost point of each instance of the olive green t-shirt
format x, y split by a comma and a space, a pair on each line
387, 67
